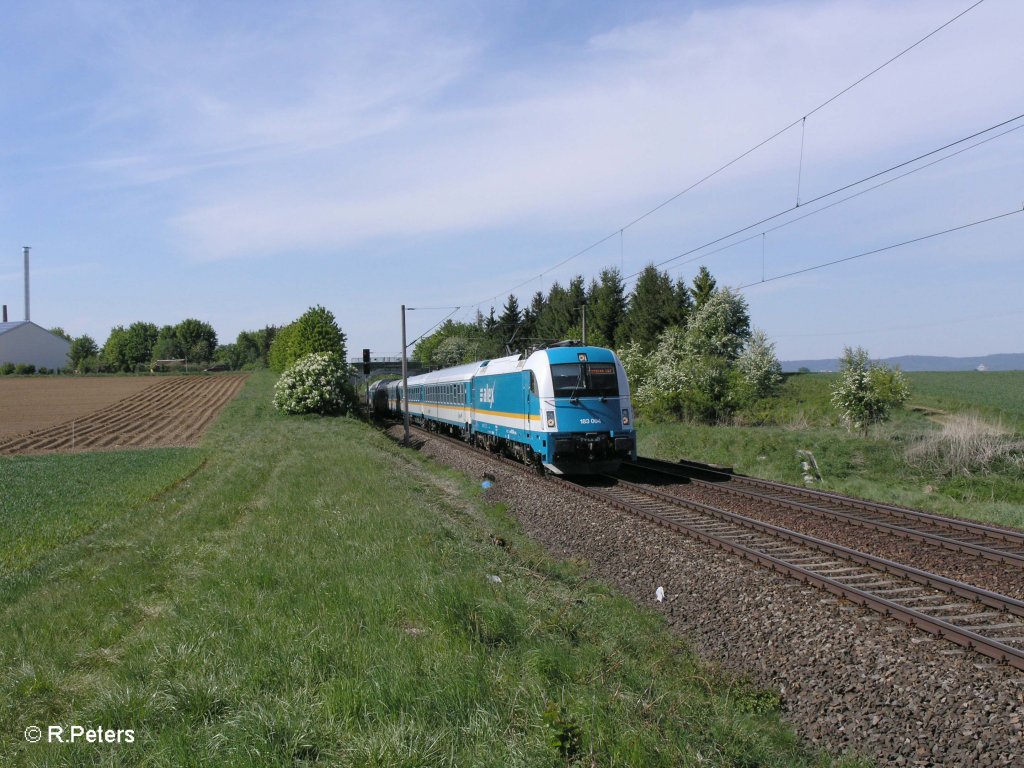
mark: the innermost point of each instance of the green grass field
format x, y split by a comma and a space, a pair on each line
765, 441
52, 501
995, 394
300, 591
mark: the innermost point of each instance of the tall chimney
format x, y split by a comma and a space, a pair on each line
5, 313
28, 315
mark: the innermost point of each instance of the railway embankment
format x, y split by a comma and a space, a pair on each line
847, 679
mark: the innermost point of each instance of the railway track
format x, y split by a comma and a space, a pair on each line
977, 619
961, 536
974, 618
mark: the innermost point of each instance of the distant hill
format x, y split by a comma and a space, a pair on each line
1010, 362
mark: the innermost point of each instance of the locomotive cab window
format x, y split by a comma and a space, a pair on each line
585, 380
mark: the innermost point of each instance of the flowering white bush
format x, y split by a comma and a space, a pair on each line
760, 368
313, 384
867, 391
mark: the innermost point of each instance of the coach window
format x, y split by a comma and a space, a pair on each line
533, 384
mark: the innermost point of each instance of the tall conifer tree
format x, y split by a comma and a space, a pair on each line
684, 308
703, 286
606, 308
509, 323
652, 308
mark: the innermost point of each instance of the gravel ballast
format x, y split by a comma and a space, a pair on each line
850, 680
1006, 579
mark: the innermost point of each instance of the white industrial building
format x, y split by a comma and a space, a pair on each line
26, 342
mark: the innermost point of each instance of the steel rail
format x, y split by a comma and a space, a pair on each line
999, 535
925, 578
960, 635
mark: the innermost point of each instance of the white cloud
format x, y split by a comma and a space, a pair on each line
639, 112
302, 131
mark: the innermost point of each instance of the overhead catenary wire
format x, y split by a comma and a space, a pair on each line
822, 209
884, 248
835, 191
800, 165
702, 253
741, 156
435, 325
833, 262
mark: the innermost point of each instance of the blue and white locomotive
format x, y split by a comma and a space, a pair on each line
565, 408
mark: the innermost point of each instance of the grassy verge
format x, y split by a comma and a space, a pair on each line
801, 418
315, 595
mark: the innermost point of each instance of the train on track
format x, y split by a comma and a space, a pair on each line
565, 408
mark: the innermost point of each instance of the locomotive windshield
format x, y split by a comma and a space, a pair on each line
585, 380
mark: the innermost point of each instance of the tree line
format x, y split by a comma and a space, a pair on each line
688, 348
142, 345
612, 318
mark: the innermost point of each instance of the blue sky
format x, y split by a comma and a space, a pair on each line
241, 161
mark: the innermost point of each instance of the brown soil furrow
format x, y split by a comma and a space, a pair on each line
148, 410
162, 420
30, 404
123, 411
173, 411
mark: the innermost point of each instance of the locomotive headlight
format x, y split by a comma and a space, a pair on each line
551, 419
625, 417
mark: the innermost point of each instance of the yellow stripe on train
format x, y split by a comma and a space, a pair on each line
481, 411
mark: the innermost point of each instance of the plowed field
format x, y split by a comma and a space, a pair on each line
29, 403
168, 412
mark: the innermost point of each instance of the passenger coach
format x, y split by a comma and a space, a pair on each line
566, 408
